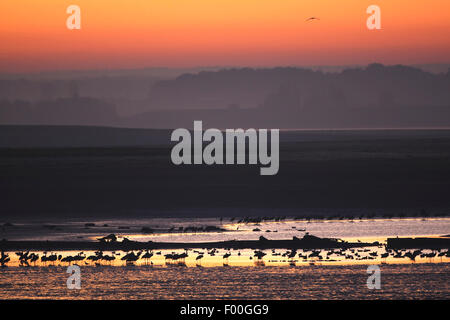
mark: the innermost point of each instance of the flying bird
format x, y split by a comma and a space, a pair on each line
312, 18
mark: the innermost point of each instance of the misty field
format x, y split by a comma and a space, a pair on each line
339, 172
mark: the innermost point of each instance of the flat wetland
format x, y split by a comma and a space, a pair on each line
360, 186
331, 172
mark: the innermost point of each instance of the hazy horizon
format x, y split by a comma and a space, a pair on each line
373, 96
173, 71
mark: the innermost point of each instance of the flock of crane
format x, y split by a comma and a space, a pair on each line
311, 256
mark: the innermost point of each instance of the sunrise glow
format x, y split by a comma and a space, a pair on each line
131, 34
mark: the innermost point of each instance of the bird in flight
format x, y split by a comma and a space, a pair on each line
312, 18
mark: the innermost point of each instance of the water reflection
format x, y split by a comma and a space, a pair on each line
194, 230
399, 281
222, 257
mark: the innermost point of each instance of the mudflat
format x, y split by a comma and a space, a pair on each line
339, 172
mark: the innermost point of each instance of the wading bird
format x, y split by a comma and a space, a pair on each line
4, 259
147, 256
259, 254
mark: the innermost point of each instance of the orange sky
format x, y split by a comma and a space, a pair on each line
187, 33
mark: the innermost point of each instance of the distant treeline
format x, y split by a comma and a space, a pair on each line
61, 111
375, 96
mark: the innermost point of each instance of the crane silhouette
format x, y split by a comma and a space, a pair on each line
147, 256
4, 259
131, 258
225, 258
259, 254
198, 259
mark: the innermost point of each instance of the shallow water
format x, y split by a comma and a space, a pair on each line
244, 277
366, 230
131, 228
411, 281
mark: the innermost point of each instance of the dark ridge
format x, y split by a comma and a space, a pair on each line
418, 243
307, 242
